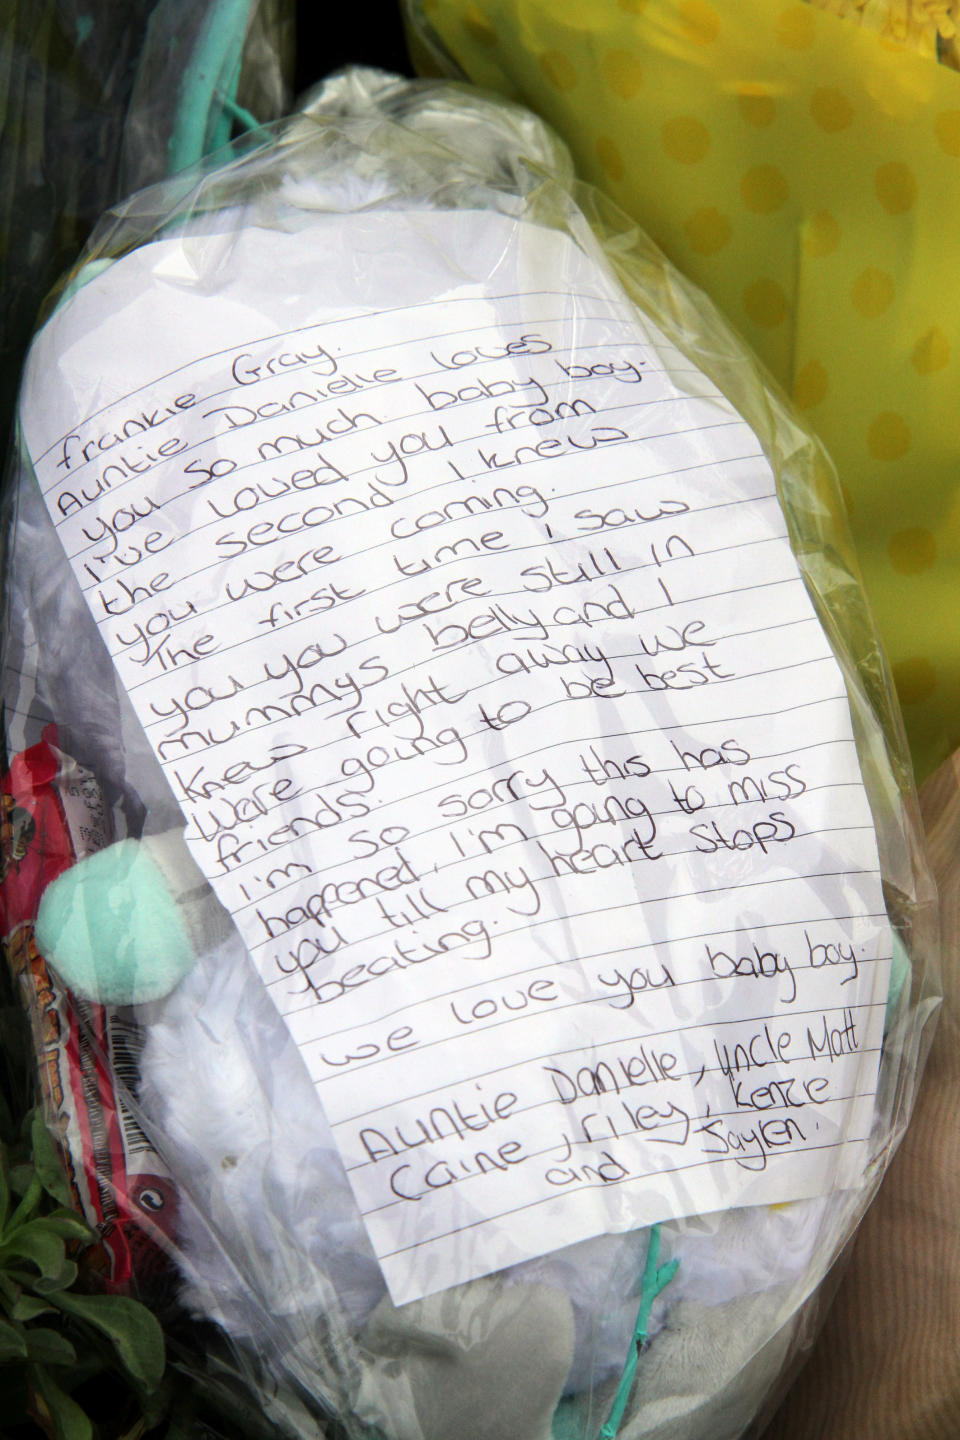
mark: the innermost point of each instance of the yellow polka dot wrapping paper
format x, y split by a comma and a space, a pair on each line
805, 171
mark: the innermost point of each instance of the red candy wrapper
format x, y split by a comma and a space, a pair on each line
53, 814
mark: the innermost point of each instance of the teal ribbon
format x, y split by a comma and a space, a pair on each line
656, 1278
207, 104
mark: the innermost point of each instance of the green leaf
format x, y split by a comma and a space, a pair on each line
49, 1347
4, 1188
59, 1229
68, 1225
29, 1203
13, 1345
133, 1331
9, 1291
69, 1421
32, 1242
46, 1158
155, 1408
51, 1284
21, 1178
28, 1308
22, 1279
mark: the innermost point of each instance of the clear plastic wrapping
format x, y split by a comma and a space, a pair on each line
514, 906
102, 98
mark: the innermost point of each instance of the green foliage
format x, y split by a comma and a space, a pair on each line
55, 1340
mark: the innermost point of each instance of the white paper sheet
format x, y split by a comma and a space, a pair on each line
459, 610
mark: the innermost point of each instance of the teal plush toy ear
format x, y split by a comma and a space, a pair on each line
124, 926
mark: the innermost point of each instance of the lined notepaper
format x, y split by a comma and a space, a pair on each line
459, 609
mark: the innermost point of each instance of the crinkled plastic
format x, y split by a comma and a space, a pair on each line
101, 98
515, 920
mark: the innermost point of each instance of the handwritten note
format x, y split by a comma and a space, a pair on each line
458, 607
